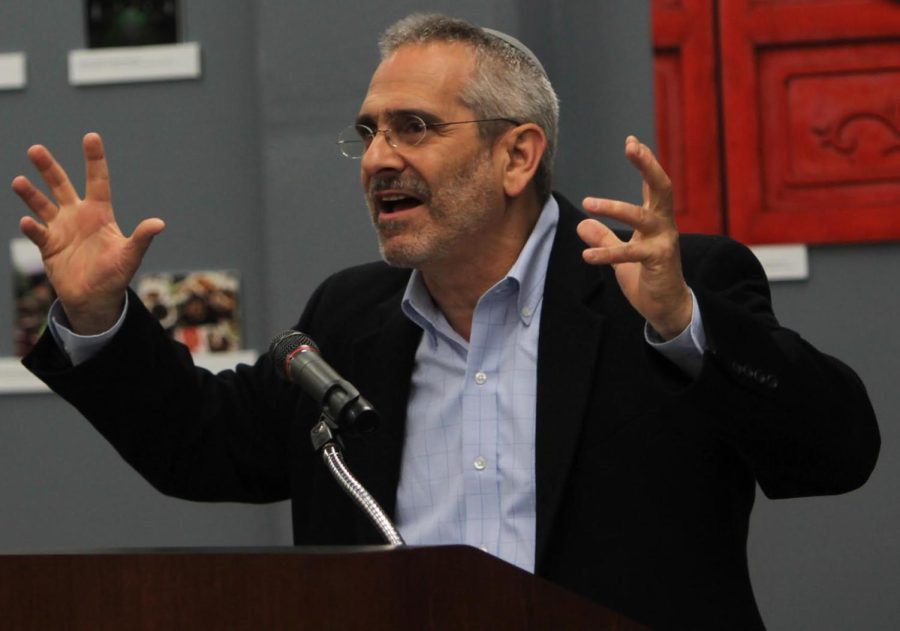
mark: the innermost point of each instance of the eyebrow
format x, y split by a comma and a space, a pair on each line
370, 121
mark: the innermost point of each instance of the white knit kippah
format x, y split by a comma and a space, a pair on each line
512, 41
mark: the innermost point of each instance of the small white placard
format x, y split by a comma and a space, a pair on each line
15, 378
12, 71
783, 262
131, 64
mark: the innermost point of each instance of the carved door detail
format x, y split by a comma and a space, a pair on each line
809, 105
687, 118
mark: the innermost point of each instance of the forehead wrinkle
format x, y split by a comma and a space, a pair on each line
419, 77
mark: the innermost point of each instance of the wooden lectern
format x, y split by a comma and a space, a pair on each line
446, 587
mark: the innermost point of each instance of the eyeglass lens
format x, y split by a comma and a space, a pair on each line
406, 132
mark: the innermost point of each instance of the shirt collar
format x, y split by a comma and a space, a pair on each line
530, 268
527, 275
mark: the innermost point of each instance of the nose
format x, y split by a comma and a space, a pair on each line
381, 155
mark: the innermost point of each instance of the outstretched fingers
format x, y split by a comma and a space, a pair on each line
655, 215
97, 170
635, 216
650, 273
596, 234
605, 248
35, 232
36, 201
641, 157
53, 175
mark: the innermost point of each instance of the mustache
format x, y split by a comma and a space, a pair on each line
411, 184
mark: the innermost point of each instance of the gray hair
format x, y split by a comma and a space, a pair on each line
508, 81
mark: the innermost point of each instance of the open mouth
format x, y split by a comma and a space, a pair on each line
396, 202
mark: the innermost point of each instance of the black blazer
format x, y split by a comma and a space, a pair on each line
645, 479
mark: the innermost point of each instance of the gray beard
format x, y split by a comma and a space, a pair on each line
457, 210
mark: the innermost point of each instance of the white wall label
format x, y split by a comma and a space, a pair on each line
132, 64
12, 71
783, 262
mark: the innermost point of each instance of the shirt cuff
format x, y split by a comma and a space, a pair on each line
79, 348
687, 348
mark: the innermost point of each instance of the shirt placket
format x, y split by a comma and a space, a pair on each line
480, 426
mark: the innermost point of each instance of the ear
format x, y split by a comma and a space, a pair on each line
523, 148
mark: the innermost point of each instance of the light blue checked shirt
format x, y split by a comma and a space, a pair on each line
467, 474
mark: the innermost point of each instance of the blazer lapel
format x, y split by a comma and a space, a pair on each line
386, 356
567, 356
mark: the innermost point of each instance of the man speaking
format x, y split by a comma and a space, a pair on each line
593, 406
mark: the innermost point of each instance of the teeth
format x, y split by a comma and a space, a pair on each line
393, 198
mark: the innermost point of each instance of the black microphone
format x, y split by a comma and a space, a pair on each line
297, 360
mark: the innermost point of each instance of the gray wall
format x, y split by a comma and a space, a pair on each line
188, 151
834, 562
242, 166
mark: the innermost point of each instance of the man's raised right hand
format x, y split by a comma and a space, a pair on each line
88, 260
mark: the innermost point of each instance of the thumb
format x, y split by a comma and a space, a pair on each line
143, 235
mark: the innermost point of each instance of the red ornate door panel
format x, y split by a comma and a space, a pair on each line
811, 106
687, 110
809, 101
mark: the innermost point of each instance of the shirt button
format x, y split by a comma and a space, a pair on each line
526, 312
480, 378
479, 463
483, 548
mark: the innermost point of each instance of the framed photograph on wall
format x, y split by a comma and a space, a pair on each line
200, 309
131, 22
32, 295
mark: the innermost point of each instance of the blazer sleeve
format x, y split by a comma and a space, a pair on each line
190, 433
802, 420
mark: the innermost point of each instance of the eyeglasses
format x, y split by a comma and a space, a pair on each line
407, 132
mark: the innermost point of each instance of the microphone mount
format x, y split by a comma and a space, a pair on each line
297, 359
